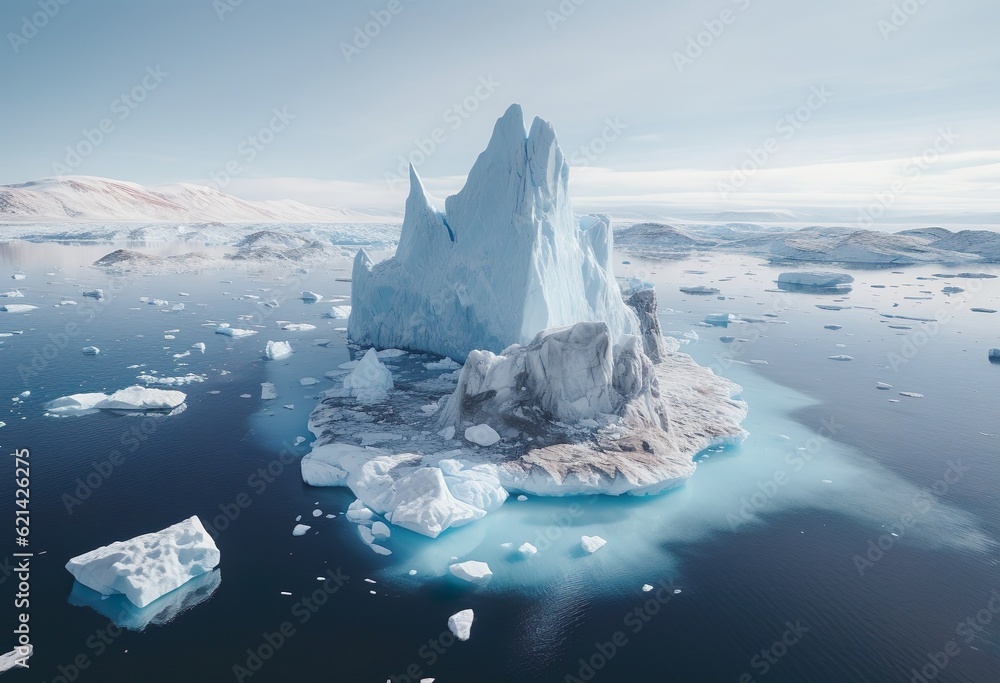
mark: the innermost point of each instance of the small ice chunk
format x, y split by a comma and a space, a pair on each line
911, 394
370, 380
646, 588
311, 296
483, 435
317, 513
592, 544
277, 350
91, 351
298, 327
234, 332
308, 381
200, 346
359, 513
380, 530
833, 327
300, 529
460, 624
841, 356
448, 433
883, 386
17, 308
522, 498
527, 549
472, 571
267, 391
339, 313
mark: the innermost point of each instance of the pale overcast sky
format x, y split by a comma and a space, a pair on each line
647, 114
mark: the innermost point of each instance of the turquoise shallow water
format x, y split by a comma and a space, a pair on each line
763, 543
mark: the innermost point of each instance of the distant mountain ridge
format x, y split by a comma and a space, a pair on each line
82, 199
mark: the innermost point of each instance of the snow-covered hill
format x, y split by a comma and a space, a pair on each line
86, 199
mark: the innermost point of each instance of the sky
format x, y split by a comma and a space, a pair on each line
836, 110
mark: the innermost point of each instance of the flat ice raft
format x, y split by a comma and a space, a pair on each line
148, 567
815, 280
135, 398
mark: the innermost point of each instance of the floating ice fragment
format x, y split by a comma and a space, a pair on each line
460, 624
277, 350
148, 566
592, 544
472, 571
483, 435
300, 529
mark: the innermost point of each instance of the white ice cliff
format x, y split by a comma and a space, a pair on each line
503, 261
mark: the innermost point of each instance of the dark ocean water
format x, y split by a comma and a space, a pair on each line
779, 598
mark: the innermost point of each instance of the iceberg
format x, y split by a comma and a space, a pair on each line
142, 399
234, 332
150, 566
410, 494
503, 261
568, 386
815, 280
460, 624
16, 658
370, 380
471, 571
277, 350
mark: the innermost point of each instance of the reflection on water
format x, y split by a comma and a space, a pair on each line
125, 615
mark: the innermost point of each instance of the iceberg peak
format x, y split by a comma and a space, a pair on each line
505, 260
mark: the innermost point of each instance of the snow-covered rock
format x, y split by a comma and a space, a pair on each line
460, 624
142, 398
148, 566
591, 544
503, 261
277, 350
472, 571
